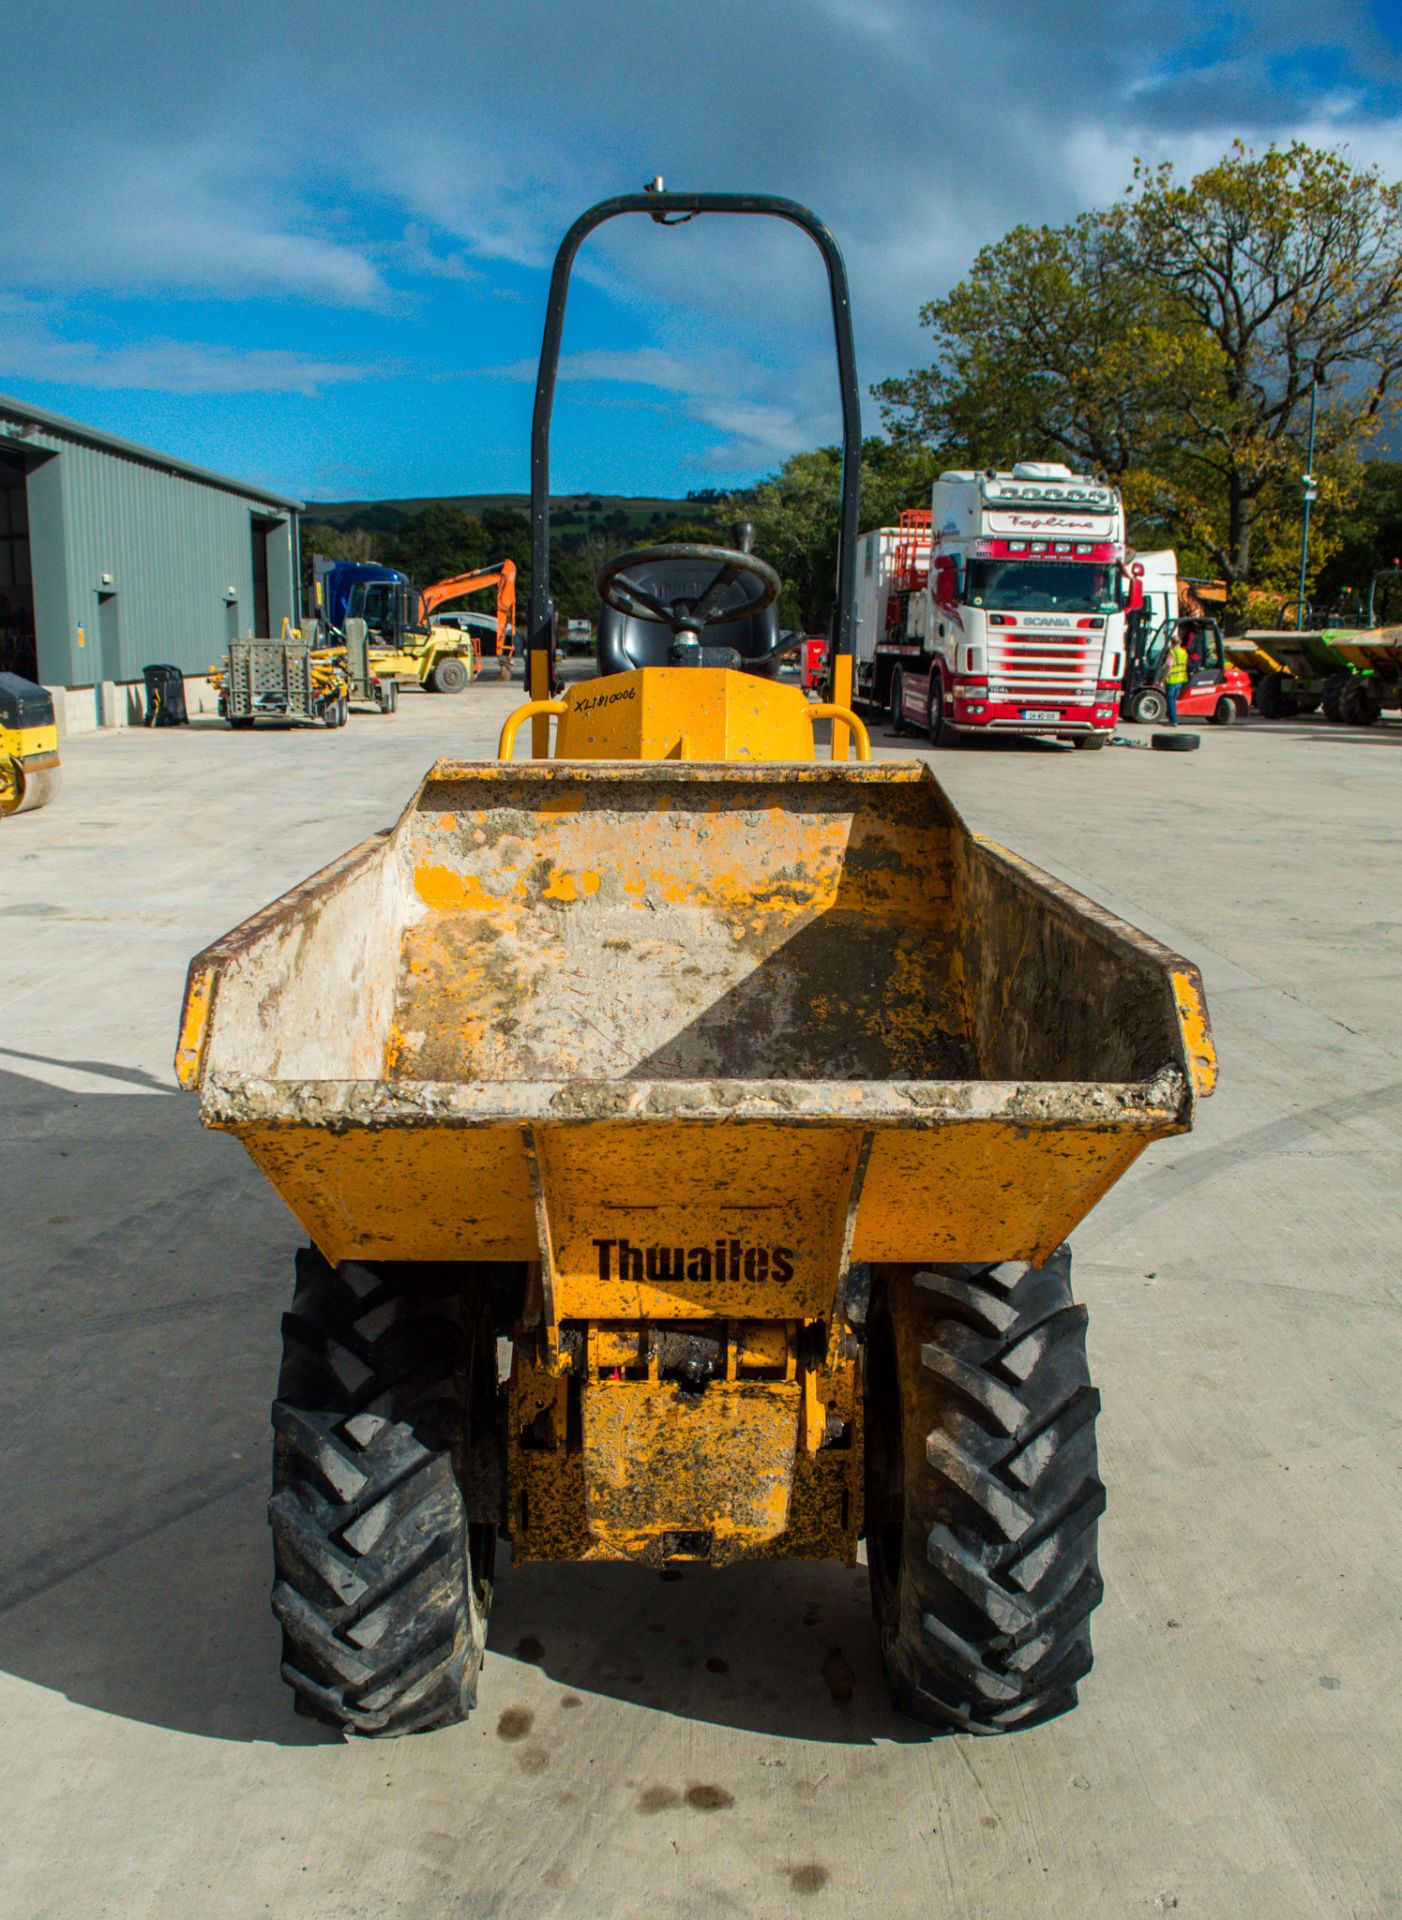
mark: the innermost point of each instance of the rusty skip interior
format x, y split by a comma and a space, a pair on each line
611, 923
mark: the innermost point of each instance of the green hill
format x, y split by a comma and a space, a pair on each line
618, 513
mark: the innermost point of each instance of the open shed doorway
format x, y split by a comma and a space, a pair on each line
18, 653
262, 615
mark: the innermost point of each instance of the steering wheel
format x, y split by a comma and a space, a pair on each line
683, 615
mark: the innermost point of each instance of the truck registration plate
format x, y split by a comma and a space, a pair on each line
1039, 713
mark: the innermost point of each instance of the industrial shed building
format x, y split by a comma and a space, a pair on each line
113, 557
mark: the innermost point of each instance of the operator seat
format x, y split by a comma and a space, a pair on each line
747, 645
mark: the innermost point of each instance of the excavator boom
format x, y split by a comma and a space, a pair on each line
458, 585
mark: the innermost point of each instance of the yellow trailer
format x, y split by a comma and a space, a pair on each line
752, 1098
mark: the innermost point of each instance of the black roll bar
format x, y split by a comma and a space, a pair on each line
672, 209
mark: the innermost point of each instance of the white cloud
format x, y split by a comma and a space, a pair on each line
459, 143
202, 215
30, 349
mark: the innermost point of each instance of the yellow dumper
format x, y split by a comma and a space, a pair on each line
752, 1099
29, 769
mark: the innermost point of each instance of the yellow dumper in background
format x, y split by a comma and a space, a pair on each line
29, 766
751, 1097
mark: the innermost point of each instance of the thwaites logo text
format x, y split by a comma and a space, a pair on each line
721, 1262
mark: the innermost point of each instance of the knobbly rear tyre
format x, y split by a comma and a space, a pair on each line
1359, 703
385, 1410
983, 1493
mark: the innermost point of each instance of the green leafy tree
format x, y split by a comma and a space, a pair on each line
1368, 539
437, 541
795, 516
335, 543
1172, 342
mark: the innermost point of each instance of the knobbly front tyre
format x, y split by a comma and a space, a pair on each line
983, 1495
385, 1411
1271, 698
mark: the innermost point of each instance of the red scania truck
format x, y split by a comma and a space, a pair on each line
1000, 610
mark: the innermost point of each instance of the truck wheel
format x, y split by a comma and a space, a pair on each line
1089, 742
389, 696
1147, 707
983, 1495
940, 732
1224, 713
382, 1585
449, 675
1333, 692
240, 721
896, 714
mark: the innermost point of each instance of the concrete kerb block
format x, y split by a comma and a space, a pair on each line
120, 703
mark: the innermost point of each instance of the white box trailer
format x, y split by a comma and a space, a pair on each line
876, 587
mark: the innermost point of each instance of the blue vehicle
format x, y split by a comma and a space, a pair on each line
335, 579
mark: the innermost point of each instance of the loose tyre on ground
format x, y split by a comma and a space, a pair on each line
1176, 742
983, 1494
449, 675
386, 1408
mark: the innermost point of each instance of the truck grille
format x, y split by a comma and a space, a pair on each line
1045, 666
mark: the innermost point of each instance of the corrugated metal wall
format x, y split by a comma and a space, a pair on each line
173, 546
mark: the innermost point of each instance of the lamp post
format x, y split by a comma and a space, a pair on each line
1311, 494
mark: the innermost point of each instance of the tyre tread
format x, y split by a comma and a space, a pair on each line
383, 1620
988, 1630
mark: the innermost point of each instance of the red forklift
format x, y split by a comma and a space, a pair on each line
1215, 690
813, 664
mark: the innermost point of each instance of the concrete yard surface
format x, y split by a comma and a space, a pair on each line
716, 1743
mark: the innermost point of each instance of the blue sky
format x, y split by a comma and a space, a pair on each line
308, 243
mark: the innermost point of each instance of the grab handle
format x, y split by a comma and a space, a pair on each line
844, 717
514, 720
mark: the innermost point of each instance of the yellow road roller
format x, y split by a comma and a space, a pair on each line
722, 1077
29, 767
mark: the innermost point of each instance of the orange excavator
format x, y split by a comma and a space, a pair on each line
459, 585
406, 645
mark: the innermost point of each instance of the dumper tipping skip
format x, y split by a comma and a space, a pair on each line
752, 1098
